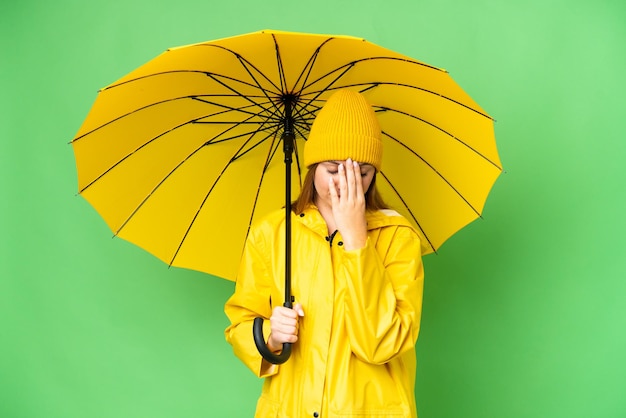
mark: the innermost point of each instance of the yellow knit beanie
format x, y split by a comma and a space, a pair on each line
346, 127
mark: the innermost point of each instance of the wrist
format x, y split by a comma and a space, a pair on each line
351, 243
273, 346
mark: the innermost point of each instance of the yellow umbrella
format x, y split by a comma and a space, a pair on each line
182, 154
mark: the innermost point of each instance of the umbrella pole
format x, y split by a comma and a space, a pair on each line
288, 138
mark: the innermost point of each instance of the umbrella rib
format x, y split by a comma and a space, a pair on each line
160, 183
281, 69
459, 140
372, 85
194, 97
349, 65
354, 62
274, 149
301, 127
214, 77
308, 68
248, 63
275, 128
260, 105
295, 149
195, 217
145, 144
406, 206
435, 171
208, 73
304, 116
245, 64
245, 96
271, 153
317, 94
230, 108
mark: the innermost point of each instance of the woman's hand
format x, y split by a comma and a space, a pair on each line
348, 205
284, 326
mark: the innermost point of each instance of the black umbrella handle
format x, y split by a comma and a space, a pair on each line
259, 340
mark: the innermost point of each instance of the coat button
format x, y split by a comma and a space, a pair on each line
302, 215
340, 243
315, 414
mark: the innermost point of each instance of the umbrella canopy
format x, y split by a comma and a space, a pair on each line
181, 155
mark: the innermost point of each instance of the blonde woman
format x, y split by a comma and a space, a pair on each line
357, 283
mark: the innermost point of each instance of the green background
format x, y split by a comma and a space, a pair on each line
524, 312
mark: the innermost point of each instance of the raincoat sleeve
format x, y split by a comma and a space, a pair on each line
251, 299
383, 297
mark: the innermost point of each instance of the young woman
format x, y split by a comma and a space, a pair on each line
357, 282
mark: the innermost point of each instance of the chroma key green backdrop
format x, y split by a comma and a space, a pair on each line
525, 310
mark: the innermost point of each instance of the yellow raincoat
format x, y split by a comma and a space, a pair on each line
355, 353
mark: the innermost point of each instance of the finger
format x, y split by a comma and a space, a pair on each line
343, 192
332, 189
283, 321
286, 330
279, 338
358, 180
287, 338
298, 308
285, 312
278, 328
350, 180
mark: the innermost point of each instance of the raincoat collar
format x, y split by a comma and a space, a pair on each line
312, 219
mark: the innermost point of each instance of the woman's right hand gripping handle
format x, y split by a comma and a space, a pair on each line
284, 324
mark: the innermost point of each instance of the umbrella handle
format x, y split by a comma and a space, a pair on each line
259, 340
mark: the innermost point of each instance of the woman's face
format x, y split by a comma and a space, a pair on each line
328, 169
